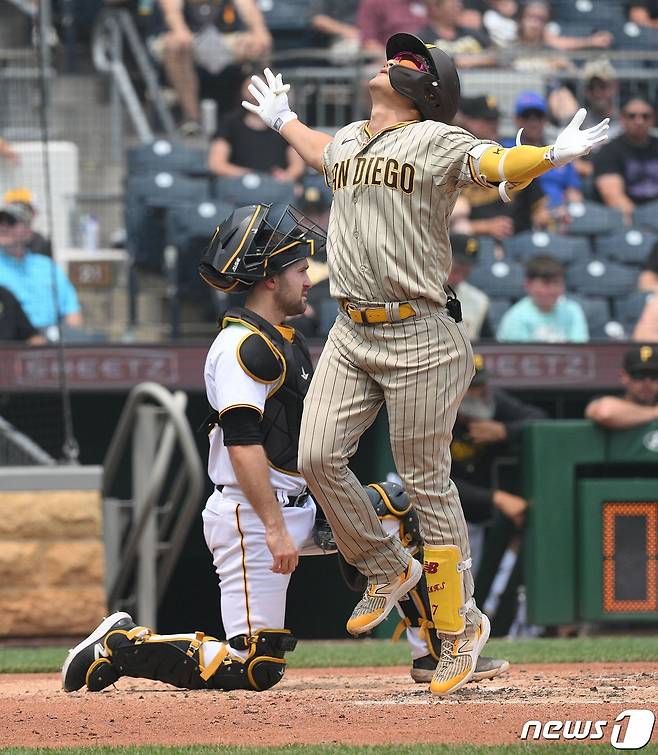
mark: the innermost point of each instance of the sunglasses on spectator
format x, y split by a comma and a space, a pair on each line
633, 115
643, 375
6, 219
417, 61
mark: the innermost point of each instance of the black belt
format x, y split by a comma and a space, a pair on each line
293, 500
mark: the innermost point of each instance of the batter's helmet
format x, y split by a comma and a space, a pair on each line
435, 93
256, 242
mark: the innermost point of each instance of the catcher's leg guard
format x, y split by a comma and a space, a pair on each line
444, 572
185, 660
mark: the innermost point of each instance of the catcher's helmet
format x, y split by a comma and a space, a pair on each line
256, 242
435, 93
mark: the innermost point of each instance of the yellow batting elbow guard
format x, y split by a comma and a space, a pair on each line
513, 166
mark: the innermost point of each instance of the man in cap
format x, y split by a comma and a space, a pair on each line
561, 184
30, 276
399, 339
475, 303
36, 242
479, 210
639, 402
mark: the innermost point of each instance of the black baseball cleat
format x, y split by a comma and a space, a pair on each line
89, 662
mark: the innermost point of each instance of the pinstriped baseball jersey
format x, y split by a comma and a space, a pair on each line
393, 195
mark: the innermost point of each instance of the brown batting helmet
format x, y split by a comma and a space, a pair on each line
436, 92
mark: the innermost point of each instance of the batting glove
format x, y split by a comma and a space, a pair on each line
272, 100
572, 142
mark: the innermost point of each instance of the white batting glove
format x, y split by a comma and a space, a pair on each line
572, 142
272, 100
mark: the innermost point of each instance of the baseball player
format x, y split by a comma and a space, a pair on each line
260, 516
398, 339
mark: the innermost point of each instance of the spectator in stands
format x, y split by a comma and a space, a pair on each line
475, 303
480, 211
626, 169
201, 39
471, 16
648, 280
34, 279
14, 324
335, 20
535, 32
7, 152
561, 184
34, 241
545, 314
468, 47
643, 13
601, 92
499, 21
639, 404
647, 326
489, 423
378, 20
244, 144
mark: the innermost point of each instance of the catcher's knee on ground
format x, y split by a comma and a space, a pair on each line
194, 661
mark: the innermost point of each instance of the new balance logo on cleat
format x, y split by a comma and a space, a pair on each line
304, 374
100, 651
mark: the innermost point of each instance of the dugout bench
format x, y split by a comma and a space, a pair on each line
591, 543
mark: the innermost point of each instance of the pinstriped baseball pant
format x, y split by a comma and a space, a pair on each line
420, 368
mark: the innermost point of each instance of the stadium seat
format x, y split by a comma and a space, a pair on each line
600, 14
147, 200
163, 155
254, 188
630, 36
566, 249
632, 246
646, 215
316, 191
592, 218
497, 308
486, 250
285, 14
601, 278
196, 221
327, 311
629, 308
600, 322
500, 279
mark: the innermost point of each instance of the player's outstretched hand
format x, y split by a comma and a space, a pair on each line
572, 142
271, 100
285, 555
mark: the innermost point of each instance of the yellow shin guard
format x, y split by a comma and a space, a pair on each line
444, 572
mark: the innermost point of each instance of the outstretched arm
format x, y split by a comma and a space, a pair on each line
273, 107
515, 167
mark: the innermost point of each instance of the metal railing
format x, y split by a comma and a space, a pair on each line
16, 449
144, 536
114, 30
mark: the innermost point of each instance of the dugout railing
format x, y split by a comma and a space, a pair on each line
145, 533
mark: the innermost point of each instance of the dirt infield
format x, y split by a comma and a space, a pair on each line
352, 706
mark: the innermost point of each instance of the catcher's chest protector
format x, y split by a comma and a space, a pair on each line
282, 415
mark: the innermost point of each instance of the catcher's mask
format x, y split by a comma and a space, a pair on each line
434, 92
257, 242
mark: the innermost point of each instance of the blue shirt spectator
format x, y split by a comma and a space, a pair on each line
32, 277
524, 321
545, 314
559, 184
